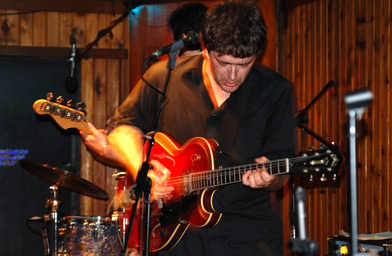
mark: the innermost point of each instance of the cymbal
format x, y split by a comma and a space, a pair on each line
70, 181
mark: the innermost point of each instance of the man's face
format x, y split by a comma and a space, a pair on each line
230, 72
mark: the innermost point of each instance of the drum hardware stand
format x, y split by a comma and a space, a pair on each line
54, 204
116, 214
45, 237
302, 120
302, 244
61, 179
356, 102
44, 231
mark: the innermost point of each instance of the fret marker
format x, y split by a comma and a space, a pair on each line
287, 165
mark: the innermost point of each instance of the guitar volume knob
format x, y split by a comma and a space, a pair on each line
163, 233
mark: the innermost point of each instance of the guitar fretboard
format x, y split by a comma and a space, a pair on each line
225, 176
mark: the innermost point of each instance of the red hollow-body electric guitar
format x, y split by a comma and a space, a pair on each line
195, 178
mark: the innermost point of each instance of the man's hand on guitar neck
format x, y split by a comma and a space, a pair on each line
262, 179
96, 140
98, 144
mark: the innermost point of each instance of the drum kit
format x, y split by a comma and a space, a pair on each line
75, 235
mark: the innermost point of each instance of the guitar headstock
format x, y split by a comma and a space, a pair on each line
65, 116
324, 162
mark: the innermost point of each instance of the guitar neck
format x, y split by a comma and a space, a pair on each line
82, 126
225, 176
318, 163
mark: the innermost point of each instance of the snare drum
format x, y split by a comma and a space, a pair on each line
84, 235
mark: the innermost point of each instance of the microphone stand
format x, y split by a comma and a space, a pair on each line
143, 182
302, 120
356, 104
108, 30
302, 244
302, 117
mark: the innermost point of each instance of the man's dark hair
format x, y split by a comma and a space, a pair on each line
235, 28
187, 17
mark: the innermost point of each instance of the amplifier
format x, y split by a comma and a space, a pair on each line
340, 245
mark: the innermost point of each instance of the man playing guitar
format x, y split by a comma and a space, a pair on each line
239, 113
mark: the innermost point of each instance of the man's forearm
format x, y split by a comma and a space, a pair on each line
128, 142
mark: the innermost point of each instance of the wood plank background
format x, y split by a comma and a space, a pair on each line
348, 41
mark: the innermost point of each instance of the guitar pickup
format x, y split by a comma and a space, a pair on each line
171, 213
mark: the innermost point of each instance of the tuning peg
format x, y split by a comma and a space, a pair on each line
311, 178
334, 177
49, 96
323, 178
81, 106
69, 103
59, 99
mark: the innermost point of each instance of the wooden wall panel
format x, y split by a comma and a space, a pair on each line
347, 41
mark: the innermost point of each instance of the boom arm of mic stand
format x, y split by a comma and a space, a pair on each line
323, 91
108, 30
316, 136
302, 117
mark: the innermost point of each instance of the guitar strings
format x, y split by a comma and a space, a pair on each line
207, 176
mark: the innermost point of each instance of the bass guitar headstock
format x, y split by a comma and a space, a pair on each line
65, 116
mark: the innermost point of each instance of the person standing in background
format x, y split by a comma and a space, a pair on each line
187, 17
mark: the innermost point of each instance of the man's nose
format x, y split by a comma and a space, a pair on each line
232, 72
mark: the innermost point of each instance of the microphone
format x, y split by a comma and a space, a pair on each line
190, 38
71, 84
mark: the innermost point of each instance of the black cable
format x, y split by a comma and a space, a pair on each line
34, 219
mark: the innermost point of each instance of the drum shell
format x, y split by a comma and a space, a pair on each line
88, 235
